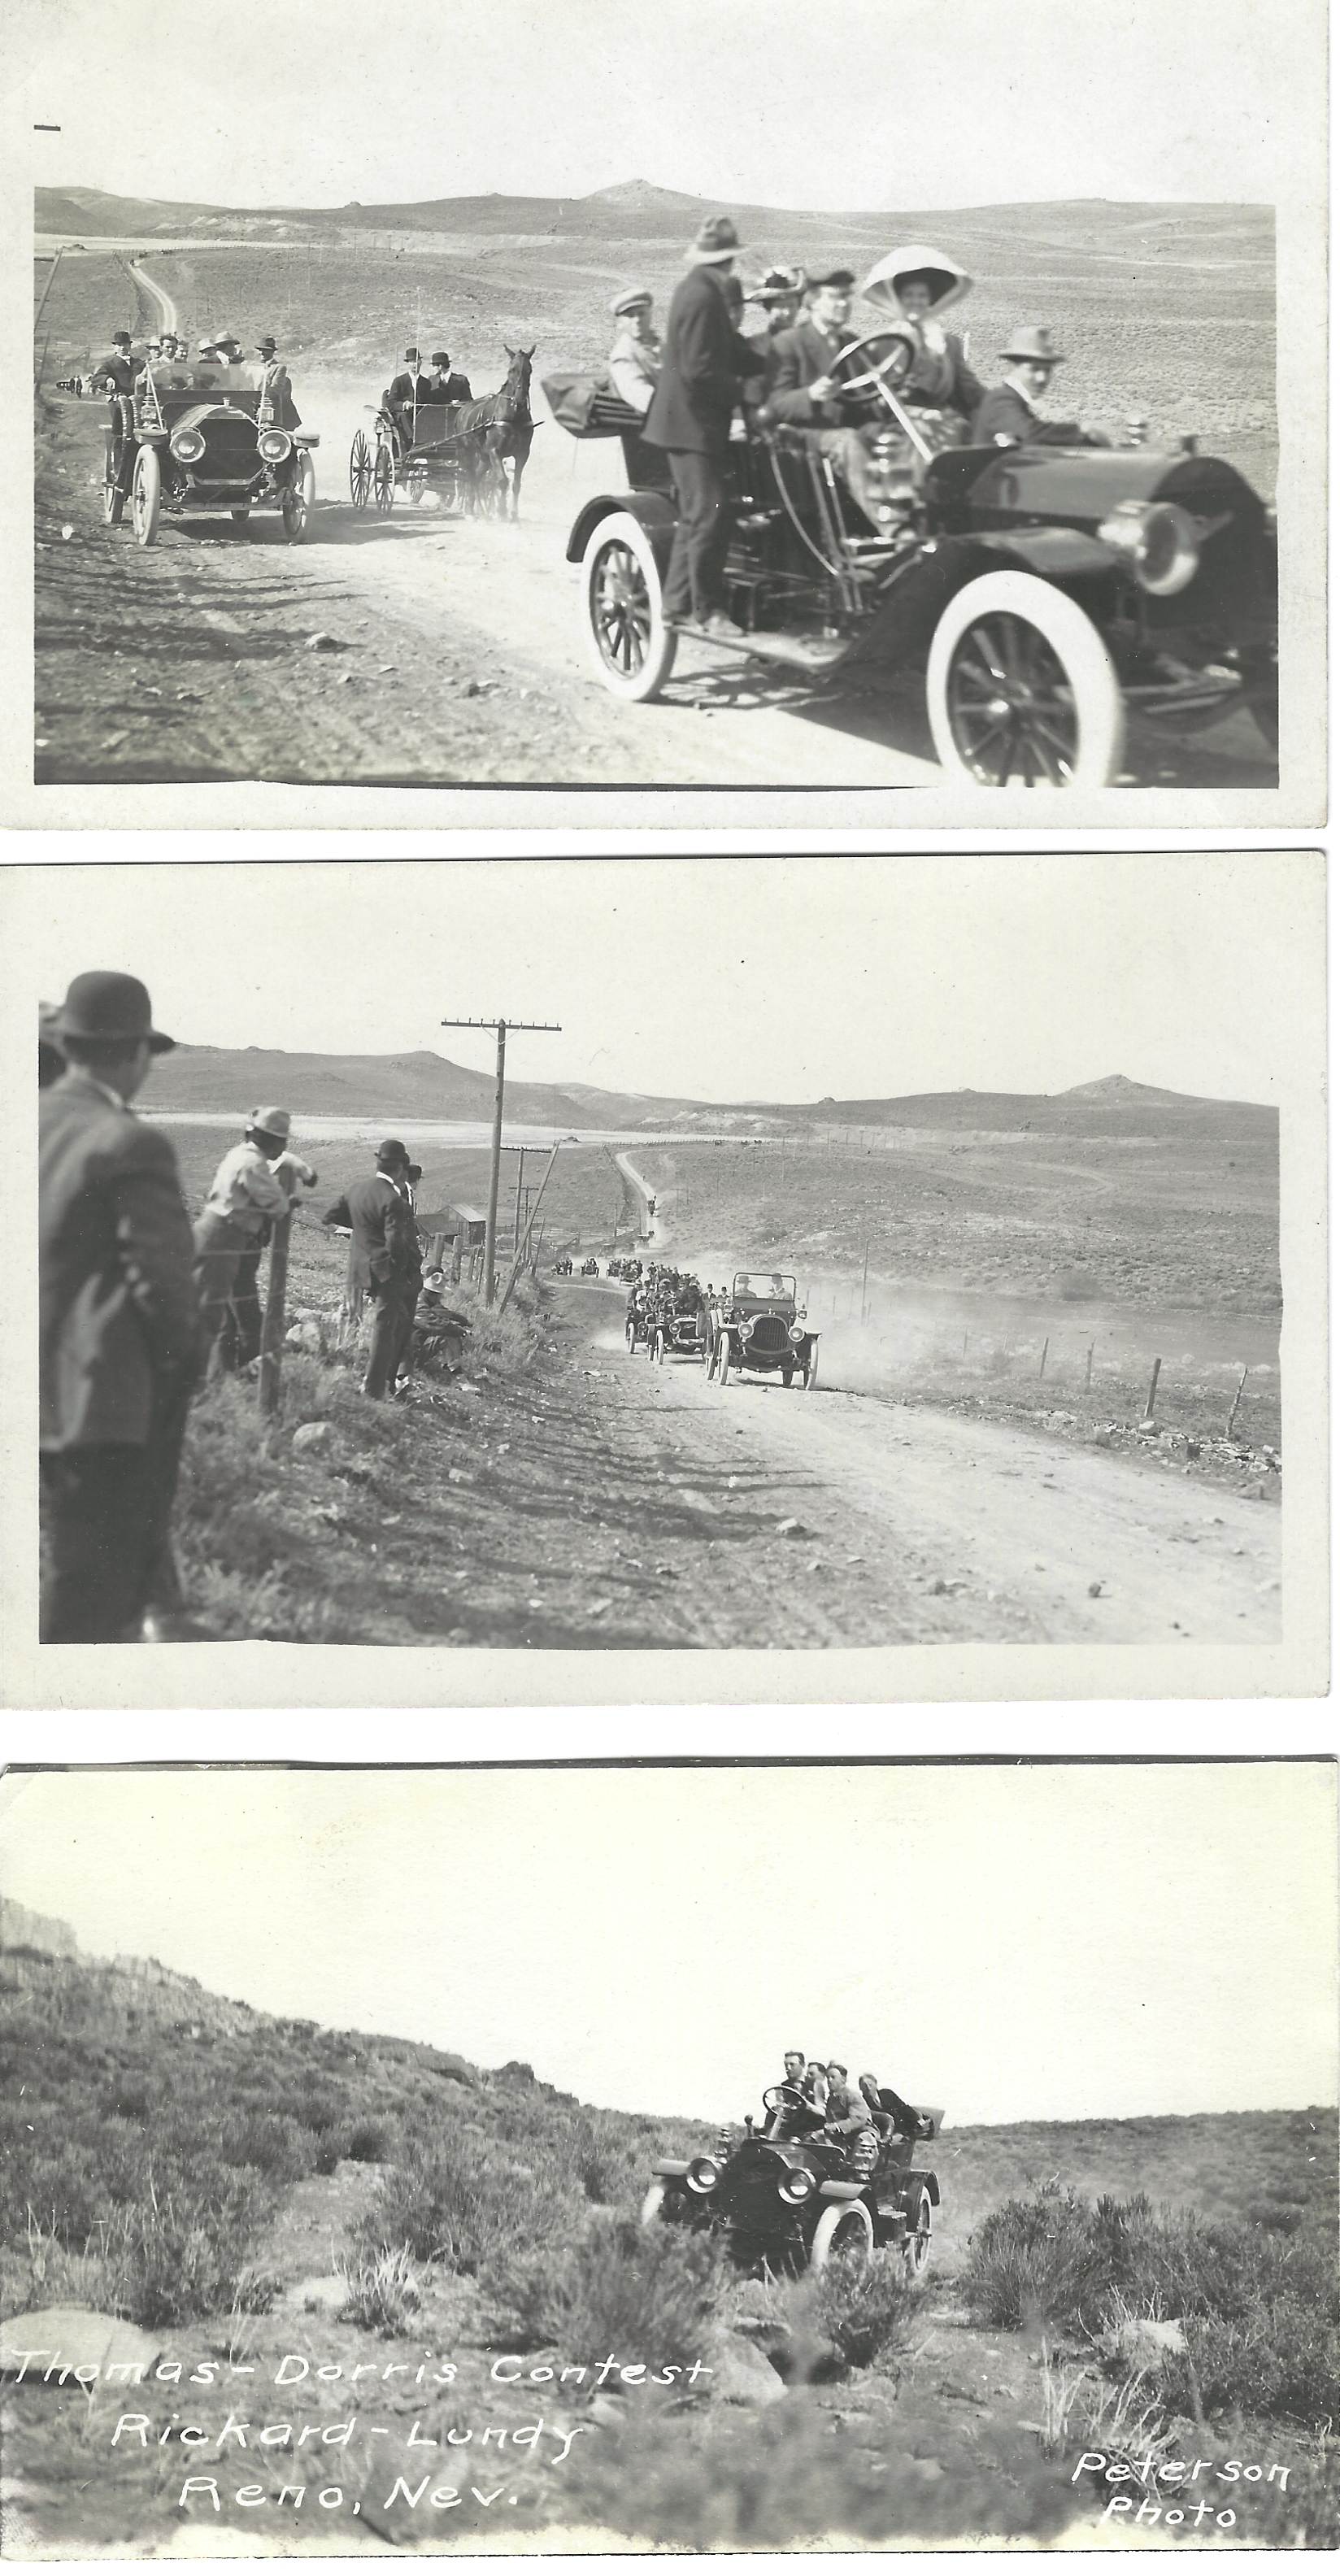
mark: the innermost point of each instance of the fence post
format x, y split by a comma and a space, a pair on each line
1088, 1370
1233, 1413
1153, 1391
1042, 1364
272, 1328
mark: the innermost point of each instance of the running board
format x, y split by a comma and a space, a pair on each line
798, 652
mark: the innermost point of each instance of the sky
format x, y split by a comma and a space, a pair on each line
878, 103
1006, 1942
771, 979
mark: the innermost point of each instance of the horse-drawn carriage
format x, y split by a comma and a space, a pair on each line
1045, 593
196, 449
458, 451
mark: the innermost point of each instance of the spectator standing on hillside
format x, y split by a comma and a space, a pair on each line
383, 1259
244, 1196
120, 1341
239, 1339
690, 416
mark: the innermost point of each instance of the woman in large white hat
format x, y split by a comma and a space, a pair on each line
918, 286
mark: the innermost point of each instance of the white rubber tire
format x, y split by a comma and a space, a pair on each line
839, 2215
647, 681
146, 496
917, 2249
1078, 646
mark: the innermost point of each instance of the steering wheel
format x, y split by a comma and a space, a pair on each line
884, 373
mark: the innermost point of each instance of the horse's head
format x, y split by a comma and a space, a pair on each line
518, 368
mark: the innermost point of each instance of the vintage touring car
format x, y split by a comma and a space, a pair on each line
196, 450
680, 1334
756, 1326
1045, 593
793, 2201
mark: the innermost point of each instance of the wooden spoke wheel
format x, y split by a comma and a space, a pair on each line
360, 471
383, 480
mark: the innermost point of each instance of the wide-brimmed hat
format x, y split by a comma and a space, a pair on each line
207, 348
779, 284
105, 1005
845, 278
265, 348
715, 239
947, 280
1034, 343
271, 1122
391, 1150
632, 300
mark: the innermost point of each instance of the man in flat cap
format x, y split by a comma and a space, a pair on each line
245, 1197
635, 359
703, 367
1006, 416
120, 1339
384, 1262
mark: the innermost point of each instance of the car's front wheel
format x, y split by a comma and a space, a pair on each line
811, 1377
845, 2227
1021, 689
146, 496
298, 499
917, 2242
653, 2205
628, 640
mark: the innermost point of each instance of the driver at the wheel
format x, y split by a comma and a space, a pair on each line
404, 394
797, 2117
807, 393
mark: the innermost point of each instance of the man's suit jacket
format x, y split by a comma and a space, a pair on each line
276, 393
119, 1322
800, 356
1004, 414
452, 388
385, 1242
407, 388
701, 372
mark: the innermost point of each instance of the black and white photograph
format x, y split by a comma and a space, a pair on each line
452, 2160
851, 1273
581, 413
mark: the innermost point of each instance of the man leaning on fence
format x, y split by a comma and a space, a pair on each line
244, 1197
384, 1260
119, 1327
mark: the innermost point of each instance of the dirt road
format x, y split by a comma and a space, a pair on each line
456, 651
913, 1526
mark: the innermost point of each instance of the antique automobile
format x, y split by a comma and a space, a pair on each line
756, 1326
637, 1327
792, 2198
187, 445
680, 1333
1045, 594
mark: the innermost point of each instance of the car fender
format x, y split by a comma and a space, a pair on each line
654, 511
919, 2178
919, 590
841, 2190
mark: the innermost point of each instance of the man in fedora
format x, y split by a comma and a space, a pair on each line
384, 1259
244, 1198
635, 359
276, 408
703, 366
120, 1333
1006, 416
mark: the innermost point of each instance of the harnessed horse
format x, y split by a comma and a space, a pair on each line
498, 427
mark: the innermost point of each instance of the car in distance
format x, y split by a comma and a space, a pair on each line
793, 2202
756, 1328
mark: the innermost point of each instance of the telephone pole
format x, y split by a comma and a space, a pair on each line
547, 1028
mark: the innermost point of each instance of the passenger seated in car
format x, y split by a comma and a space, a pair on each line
846, 2112
918, 286
1006, 416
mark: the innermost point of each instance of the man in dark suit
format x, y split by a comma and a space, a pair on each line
806, 391
383, 1259
404, 394
445, 385
703, 365
1006, 417
119, 1328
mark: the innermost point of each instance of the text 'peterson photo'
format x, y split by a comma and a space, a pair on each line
727, 2157
598, 435
539, 1281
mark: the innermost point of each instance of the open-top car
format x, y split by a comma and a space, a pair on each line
1045, 593
680, 1333
184, 444
790, 2197
755, 1326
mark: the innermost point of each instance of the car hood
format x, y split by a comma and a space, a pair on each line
202, 413
1078, 486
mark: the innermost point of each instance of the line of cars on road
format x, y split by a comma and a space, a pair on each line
754, 1327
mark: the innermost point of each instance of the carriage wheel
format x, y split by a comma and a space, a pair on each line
146, 496
383, 480
629, 641
360, 471
1021, 689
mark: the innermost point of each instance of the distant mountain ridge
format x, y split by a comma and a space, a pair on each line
422, 1084
631, 210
